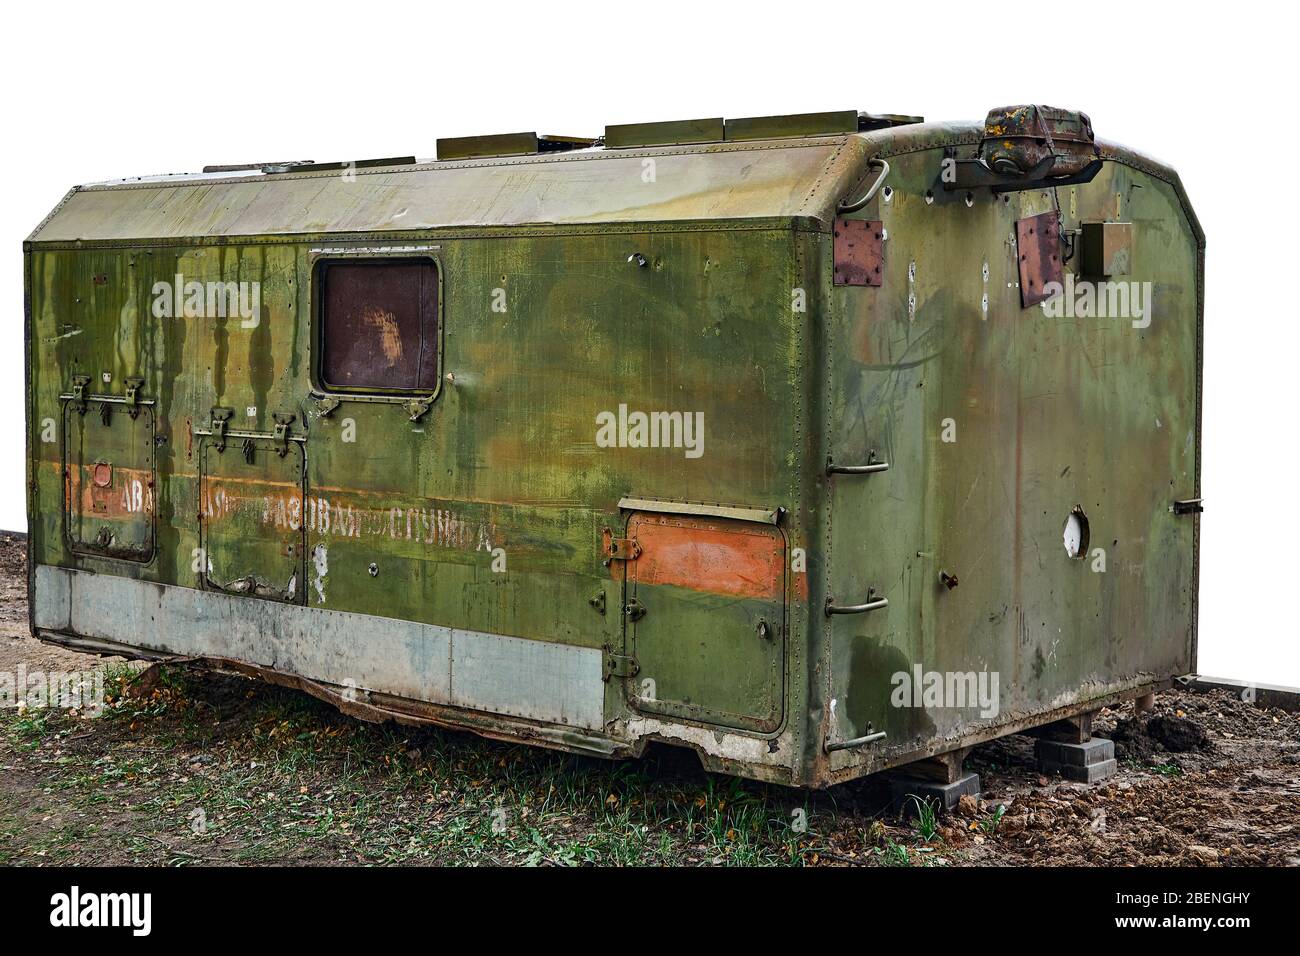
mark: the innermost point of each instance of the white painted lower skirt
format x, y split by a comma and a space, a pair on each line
555, 683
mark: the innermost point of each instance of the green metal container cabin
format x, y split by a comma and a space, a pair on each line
587, 445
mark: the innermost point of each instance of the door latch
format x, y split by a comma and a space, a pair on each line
1188, 506
79, 383
618, 549
220, 419
282, 422
634, 610
132, 401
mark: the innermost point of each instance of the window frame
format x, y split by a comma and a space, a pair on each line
320, 260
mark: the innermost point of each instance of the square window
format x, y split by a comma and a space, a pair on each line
379, 324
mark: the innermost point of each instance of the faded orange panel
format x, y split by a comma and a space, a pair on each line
106, 491
702, 554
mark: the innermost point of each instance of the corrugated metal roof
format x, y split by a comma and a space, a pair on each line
775, 178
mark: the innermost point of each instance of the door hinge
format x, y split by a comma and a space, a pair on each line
620, 665
618, 549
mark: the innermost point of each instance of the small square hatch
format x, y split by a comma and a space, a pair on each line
705, 616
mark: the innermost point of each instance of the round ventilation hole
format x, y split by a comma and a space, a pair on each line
1076, 533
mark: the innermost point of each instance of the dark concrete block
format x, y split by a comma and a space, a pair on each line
946, 795
1091, 773
1097, 750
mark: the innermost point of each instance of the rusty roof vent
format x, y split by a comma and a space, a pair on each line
508, 144
1027, 147
1017, 139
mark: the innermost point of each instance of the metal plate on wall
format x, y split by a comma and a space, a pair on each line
1038, 240
859, 252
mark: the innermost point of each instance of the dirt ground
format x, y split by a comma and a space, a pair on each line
196, 768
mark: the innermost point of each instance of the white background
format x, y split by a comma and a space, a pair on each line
106, 90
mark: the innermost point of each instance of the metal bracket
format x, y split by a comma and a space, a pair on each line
282, 422
79, 384
416, 408
132, 400
325, 406
974, 173
634, 610
1188, 506
620, 665
598, 601
220, 419
618, 549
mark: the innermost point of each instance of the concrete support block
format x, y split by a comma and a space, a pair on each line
1087, 762
945, 795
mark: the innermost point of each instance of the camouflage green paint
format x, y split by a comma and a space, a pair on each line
405, 523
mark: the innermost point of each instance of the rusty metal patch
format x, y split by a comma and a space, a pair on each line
859, 252
1038, 240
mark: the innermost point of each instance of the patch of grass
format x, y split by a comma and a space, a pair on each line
201, 768
31, 725
926, 822
1170, 769
894, 854
991, 822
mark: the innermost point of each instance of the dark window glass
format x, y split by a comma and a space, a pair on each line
379, 324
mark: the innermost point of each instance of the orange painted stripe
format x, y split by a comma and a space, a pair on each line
707, 556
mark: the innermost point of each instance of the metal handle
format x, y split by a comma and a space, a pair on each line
834, 745
870, 468
847, 207
873, 604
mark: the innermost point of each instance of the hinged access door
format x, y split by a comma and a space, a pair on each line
109, 477
250, 516
704, 610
